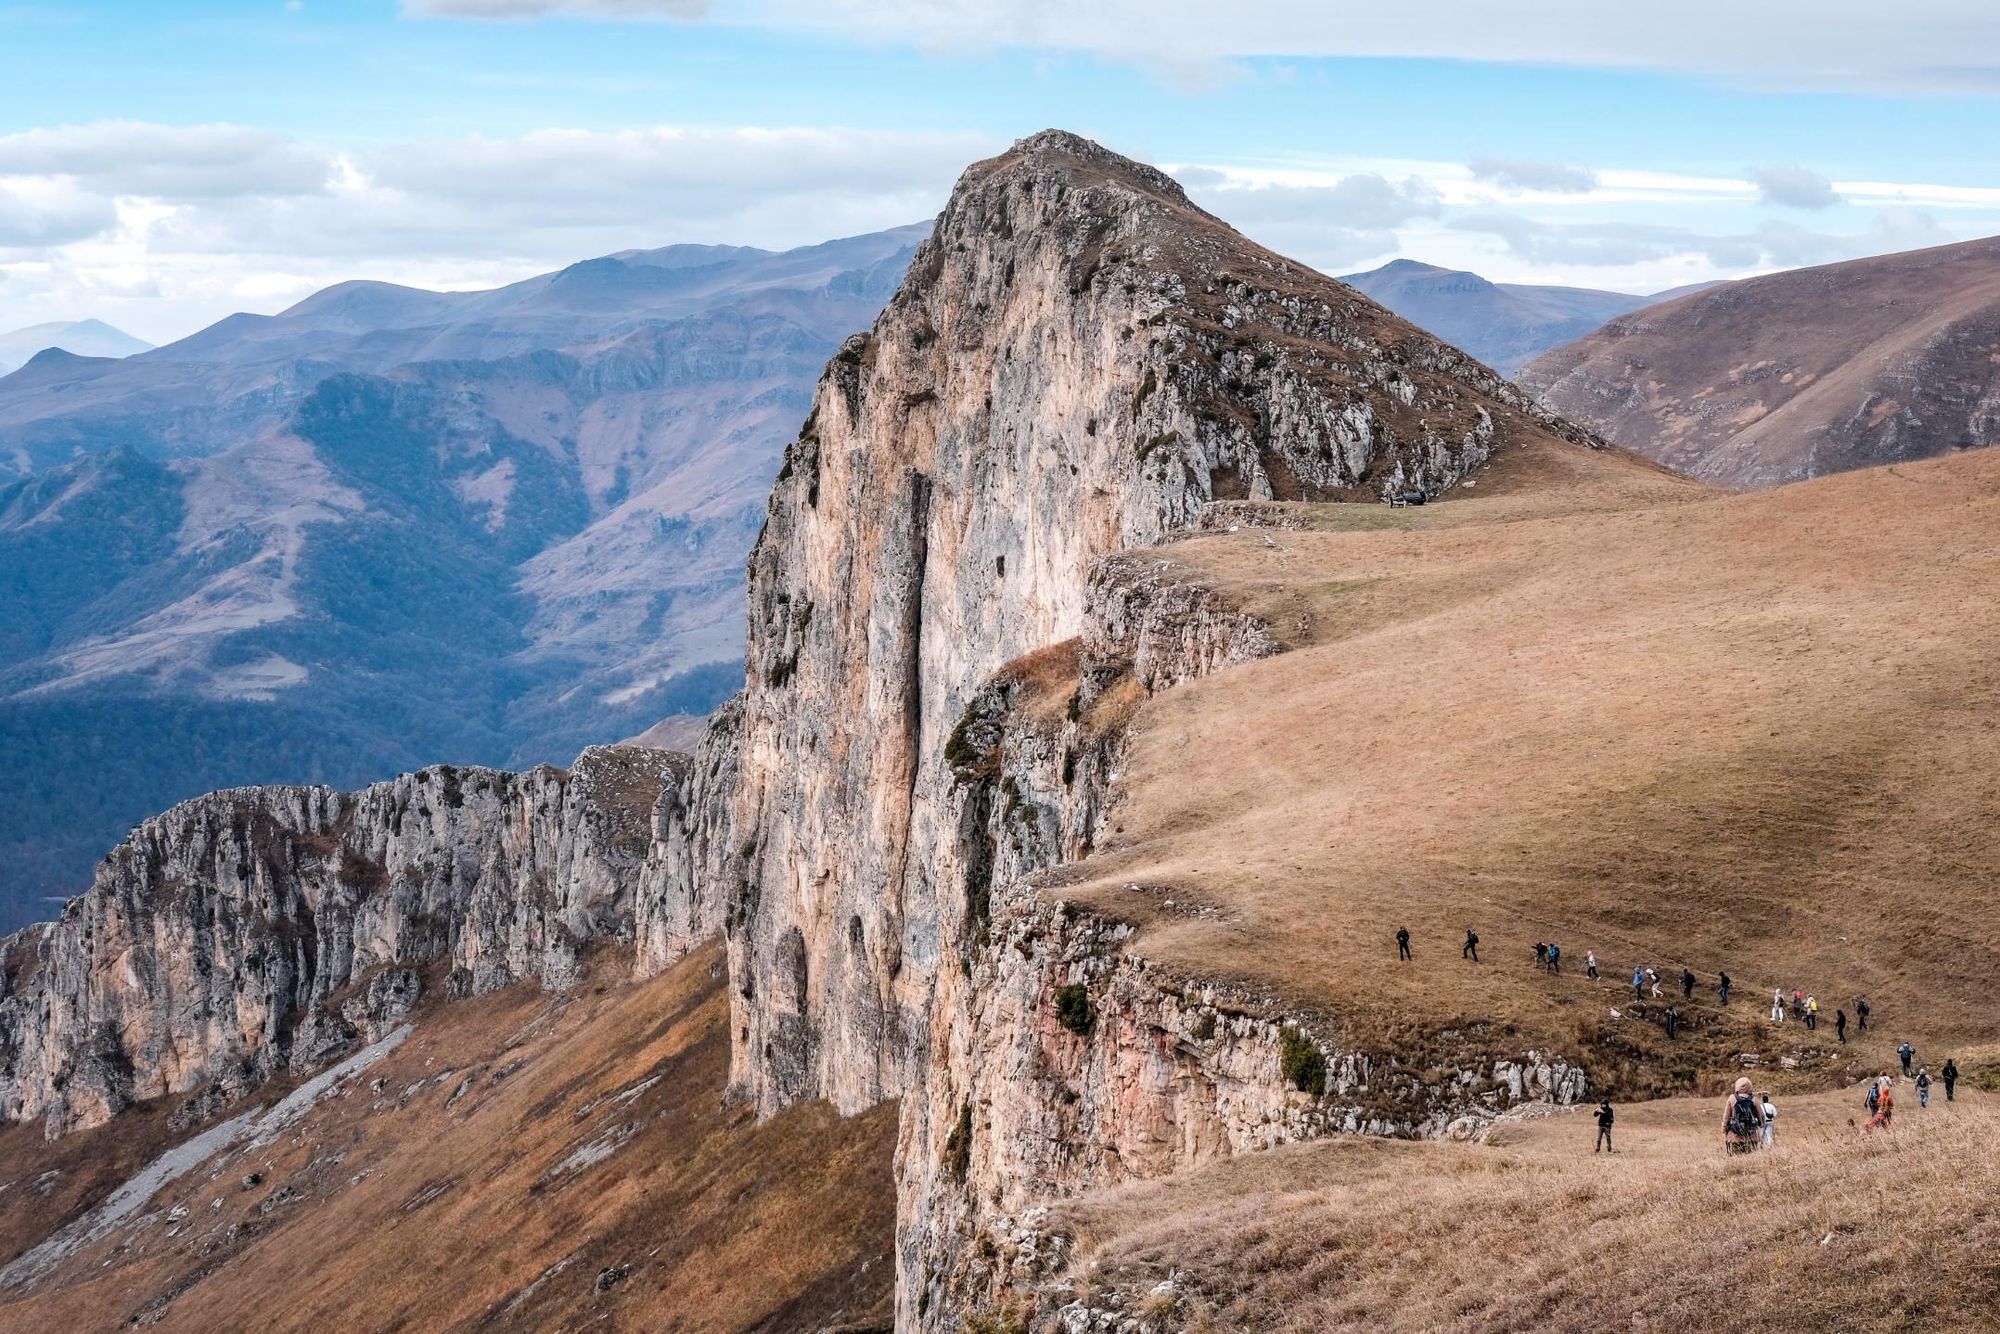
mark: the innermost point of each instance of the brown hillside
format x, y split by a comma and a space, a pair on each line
1531, 1231
1757, 733
1798, 374
524, 1162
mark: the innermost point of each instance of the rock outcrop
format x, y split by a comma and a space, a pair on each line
1078, 361
264, 930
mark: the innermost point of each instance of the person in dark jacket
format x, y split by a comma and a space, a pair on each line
1950, 1076
1861, 1013
1722, 989
1542, 953
1471, 950
1840, 1024
1604, 1127
1673, 1019
1687, 984
1402, 942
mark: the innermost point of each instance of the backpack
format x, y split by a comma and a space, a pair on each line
1874, 1096
1744, 1118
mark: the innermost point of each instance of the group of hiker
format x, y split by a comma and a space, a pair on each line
1805, 1009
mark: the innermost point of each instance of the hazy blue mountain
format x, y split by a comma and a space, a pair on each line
84, 338
1505, 325
390, 527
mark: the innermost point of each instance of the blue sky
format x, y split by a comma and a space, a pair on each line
161, 165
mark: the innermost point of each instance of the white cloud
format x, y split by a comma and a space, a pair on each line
1525, 174
168, 161
1329, 224
1939, 45
1773, 245
212, 220
1794, 187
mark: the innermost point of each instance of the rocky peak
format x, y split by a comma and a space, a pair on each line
1078, 361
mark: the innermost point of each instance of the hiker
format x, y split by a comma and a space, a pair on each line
1604, 1127
1777, 1005
1770, 1110
1923, 1087
1653, 981
1402, 943
1906, 1053
1638, 984
1840, 1024
1687, 984
1812, 1014
1555, 957
1673, 1019
1950, 1073
1798, 1004
1590, 964
1885, 1105
1861, 1012
1471, 950
1874, 1098
1722, 989
1742, 1119
1542, 953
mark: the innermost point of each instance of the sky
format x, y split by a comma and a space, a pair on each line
163, 165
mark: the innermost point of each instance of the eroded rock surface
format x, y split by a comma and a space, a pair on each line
256, 931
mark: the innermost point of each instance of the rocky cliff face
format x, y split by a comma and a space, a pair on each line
1079, 361
263, 930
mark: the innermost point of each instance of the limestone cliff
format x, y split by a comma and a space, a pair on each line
1078, 361
262, 930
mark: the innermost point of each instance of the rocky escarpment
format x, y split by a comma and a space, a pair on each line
1079, 360
265, 930
1059, 1058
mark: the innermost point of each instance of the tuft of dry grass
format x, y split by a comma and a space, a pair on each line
1828, 1232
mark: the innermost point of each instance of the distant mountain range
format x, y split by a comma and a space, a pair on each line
1798, 374
1505, 325
86, 338
392, 526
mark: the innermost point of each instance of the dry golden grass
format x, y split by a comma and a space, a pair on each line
1591, 704
1533, 1231
422, 1212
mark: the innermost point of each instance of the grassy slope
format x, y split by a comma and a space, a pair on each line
418, 1215
1531, 1231
1588, 703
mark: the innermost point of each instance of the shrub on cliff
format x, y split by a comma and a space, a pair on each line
1302, 1063
1073, 1008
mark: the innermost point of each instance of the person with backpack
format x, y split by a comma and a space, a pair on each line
1590, 964
1555, 957
1722, 989
1638, 984
1687, 984
1770, 1111
1950, 1073
1402, 943
1542, 953
1874, 1098
1906, 1053
1777, 1005
1742, 1120
1840, 1024
1812, 1014
1653, 981
1923, 1088
1885, 1105
1673, 1020
1471, 950
1861, 1012
1604, 1127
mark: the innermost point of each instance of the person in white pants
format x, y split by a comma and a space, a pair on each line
1770, 1121
1778, 1006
